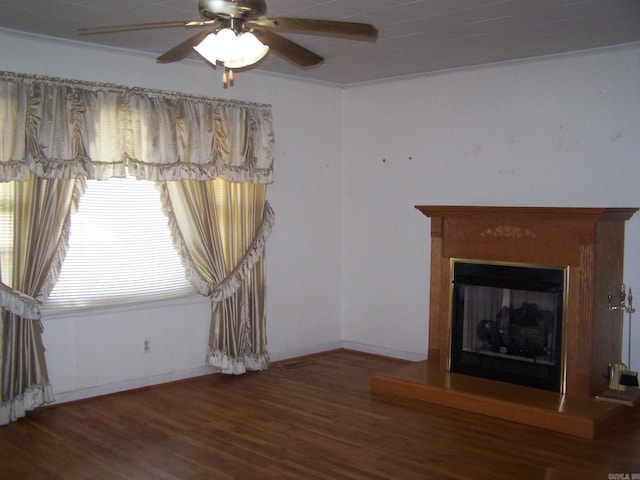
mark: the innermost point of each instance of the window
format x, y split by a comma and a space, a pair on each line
6, 232
120, 249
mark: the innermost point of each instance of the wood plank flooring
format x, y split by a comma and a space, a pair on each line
314, 420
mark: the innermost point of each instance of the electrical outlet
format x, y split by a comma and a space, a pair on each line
146, 345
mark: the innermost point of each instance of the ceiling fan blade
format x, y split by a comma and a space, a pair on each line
288, 49
182, 50
143, 26
326, 28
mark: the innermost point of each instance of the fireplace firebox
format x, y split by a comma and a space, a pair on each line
507, 321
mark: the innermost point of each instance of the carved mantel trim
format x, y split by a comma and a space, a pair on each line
507, 231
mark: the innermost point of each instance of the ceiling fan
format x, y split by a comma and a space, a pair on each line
248, 16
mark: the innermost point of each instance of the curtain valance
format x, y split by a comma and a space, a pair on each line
49, 126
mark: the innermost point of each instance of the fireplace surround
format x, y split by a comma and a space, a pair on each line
588, 242
587, 246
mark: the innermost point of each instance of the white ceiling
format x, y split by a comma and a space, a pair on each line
416, 36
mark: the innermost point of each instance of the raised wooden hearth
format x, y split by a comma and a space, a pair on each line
571, 415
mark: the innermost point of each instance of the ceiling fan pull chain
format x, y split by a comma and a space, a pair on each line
227, 77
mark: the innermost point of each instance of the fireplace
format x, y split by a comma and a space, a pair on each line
550, 268
587, 242
506, 322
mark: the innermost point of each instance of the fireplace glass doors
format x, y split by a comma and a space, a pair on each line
507, 322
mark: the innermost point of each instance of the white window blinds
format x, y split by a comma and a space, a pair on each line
6, 232
120, 249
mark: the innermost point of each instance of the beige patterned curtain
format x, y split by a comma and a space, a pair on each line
55, 133
222, 251
62, 129
41, 210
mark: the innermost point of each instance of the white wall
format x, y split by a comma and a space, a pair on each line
348, 259
99, 351
561, 131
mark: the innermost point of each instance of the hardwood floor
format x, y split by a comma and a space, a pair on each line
312, 420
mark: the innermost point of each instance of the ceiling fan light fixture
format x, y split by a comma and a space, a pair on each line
249, 51
231, 50
208, 48
218, 48
226, 45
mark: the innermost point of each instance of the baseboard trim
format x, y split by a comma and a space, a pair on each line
355, 346
301, 352
133, 384
384, 352
144, 382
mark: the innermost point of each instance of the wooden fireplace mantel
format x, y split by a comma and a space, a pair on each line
589, 241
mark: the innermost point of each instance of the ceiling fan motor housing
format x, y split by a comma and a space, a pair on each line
216, 9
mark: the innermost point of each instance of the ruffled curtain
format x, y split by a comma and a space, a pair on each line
221, 229
55, 133
62, 129
41, 225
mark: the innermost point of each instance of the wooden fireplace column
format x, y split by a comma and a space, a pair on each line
590, 241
